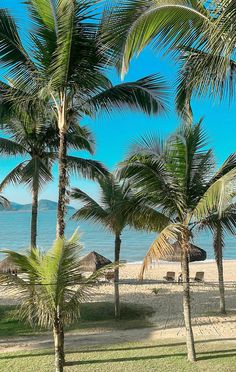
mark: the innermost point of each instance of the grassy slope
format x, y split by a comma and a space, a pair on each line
93, 315
130, 357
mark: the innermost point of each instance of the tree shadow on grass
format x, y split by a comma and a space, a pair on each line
200, 356
211, 354
125, 359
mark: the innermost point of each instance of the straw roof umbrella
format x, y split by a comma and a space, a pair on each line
195, 254
93, 261
6, 265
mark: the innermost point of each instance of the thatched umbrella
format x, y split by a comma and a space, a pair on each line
7, 266
196, 254
93, 261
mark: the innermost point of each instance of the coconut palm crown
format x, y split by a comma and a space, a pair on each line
37, 140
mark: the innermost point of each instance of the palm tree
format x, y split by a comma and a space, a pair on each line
65, 67
176, 178
39, 141
118, 208
53, 300
220, 226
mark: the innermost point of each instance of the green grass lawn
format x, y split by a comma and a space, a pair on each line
93, 315
129, 357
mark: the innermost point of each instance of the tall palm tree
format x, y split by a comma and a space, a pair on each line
220, 226
53, 300
65, 66
39, 142
176, 178
118, 208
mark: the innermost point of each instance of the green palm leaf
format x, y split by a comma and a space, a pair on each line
138, 23
88, 168
13, 56
9, 147
4, 202
162, 245
217, 197
204, 73
52, 280
148, 94
14, 176
91, 210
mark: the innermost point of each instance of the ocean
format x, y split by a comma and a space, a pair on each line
15, 234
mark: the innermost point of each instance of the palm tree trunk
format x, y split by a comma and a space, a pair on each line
186, 299
34, 215
116, 278
59, 362
62, 334
218, 248
62, 184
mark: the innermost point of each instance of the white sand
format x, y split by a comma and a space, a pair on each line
167, 304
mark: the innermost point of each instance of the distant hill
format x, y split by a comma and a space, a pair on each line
44, 205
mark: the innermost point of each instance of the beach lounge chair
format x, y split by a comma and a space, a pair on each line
199, 277
170, 276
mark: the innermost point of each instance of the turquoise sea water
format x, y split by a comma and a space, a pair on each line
15, 232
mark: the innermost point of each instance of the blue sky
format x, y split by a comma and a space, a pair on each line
116, 132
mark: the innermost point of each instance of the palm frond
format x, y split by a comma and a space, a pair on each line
138, 23
227, 221
14, 176
36, 171
87, 168
13, 56
162, 245
148, 94
147, 171
80, 138
228, 165
4, 202
9, 147
51, 280
143, 217
204, 74
91, 210
217, 197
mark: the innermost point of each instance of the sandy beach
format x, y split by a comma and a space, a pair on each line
167, 319
167, 304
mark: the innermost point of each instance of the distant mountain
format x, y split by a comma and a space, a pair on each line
44, 205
